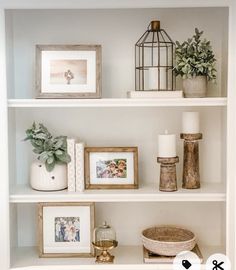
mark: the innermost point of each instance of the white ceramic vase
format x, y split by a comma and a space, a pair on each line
42, 180
195, 87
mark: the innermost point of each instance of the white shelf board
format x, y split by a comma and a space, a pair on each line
207, 193
126, 257
116, 102
50, 4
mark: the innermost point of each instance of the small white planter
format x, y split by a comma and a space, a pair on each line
41, 179
195, 87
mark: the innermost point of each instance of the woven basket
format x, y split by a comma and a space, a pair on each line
168, 240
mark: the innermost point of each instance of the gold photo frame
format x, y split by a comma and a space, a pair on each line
65, 229
111, 167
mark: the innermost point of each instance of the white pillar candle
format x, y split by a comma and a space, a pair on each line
190, 123
153, 79
167, 145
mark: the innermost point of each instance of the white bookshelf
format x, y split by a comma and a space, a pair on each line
117, 102
207, 193
127, 257
209, 211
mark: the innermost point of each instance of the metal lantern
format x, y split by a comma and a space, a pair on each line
154, 53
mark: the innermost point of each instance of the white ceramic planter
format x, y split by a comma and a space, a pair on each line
41, 179
195, 87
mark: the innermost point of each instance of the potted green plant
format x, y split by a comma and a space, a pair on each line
49, 172
195, 63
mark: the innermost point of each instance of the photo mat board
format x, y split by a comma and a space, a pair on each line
68, 71
65, 229
111, 167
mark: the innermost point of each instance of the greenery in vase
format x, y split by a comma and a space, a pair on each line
195, 57
51, 150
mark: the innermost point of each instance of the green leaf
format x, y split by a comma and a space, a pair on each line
195, 57
43, 157
64, 158
58, 143
59, 152
50, 167
37, 151
50, 160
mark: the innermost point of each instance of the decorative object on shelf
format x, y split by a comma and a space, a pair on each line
65, 229
49, 173
168, 240
168, 180
191, 134
167, 157
150, 257
79, 168
68, 71
111, 167
155, 94
71, 165
195, 63
75, 168
104, 240
154, 60
43, 180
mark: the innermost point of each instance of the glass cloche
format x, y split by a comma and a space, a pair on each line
104, 240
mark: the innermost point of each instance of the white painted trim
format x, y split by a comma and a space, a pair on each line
95, 4
115, 102
126, 257
231, 145
4, 190
207, 193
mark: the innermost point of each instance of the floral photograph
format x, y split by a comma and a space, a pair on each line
113, 168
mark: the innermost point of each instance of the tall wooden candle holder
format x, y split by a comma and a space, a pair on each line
191, 175
168, 181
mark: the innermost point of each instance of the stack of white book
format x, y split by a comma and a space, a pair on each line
75, 168
155, 94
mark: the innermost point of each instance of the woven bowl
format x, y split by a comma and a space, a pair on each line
168, 240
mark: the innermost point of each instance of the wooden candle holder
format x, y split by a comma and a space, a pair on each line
191, 175
168, 181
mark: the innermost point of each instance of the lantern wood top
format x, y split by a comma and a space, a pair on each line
155, 26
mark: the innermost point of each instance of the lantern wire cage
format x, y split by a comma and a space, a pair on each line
154, 60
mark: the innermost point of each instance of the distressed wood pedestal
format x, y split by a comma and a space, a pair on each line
191, 176
168, 181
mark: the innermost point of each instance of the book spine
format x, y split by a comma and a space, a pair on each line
79, 172
71, 165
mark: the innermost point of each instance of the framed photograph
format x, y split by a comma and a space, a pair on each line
65, 229
68, 71
111, 167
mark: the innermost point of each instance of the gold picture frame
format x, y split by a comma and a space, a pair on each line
50, 215
68, 71
111, 167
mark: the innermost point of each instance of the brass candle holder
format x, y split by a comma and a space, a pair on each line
168, 179
191, 175
104, 246
104, 240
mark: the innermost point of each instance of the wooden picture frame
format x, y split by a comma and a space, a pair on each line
49, 211
125, 177
68, 71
